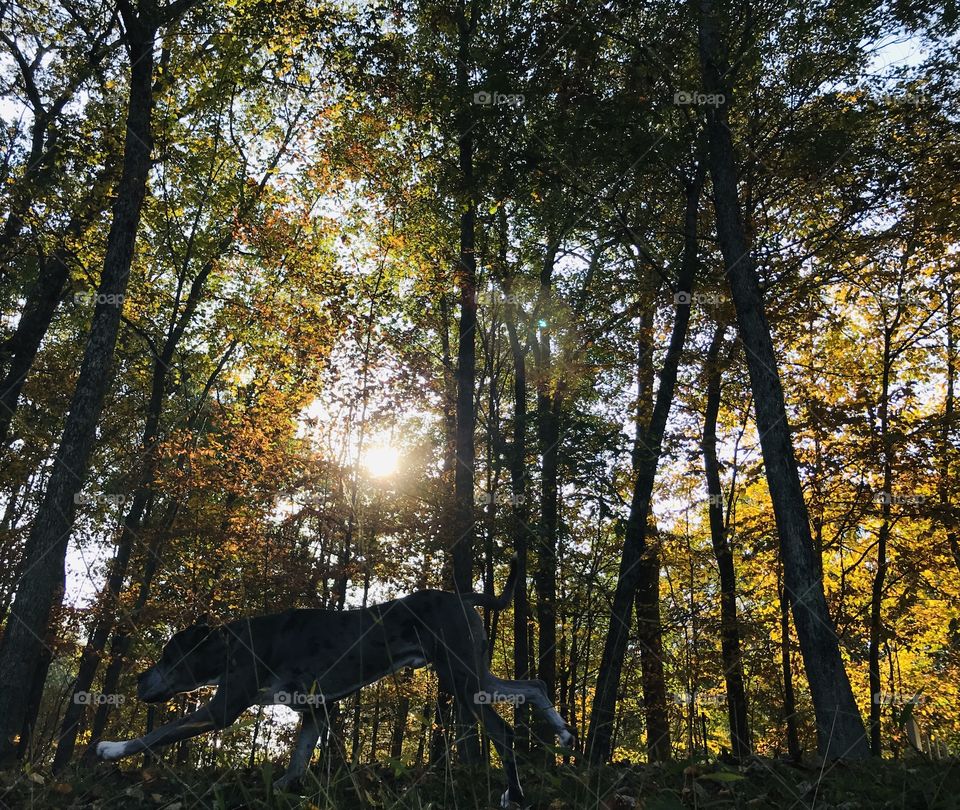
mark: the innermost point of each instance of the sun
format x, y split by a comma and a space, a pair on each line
381, 460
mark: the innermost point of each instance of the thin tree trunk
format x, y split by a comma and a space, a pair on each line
840, 730
466, 274
375, 726
20, 350
650, 638
399, 727
729, 622
42, 584
948, 447
519, 512
883, 537
548, 435
789, 697
649, 627
648, 457
34, 699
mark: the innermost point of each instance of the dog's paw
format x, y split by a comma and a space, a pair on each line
109, 751
566, 737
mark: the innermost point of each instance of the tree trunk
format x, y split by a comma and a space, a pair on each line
34, 699
399, 727
42, 584
650, 638
946, 433
20, 350
548, 435
466, 274
649, 628
97, 640
647, 458
519, 517
840, 730
883, 537
789, 697
729, 622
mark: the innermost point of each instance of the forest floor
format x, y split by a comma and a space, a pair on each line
762, 783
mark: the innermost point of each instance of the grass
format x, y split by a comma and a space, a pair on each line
761, 783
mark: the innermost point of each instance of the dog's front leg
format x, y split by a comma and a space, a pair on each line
225, 707
191, 725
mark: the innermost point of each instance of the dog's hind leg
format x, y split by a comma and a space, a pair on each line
534, 693
501, 734
312, 725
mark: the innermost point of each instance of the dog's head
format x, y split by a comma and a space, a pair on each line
192, 658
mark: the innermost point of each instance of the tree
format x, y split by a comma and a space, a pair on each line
648, 457
42, 582
840, 731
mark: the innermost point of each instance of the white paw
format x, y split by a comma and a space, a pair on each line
110, 750
565, 737
505, 799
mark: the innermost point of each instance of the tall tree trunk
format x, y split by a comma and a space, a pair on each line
519, 517
106, 615
948, 447
840, 730
466, 274
647, 459
649, 626
42, 584
729, 622
548, 435
883, 537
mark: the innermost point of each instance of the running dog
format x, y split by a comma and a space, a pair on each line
307, 658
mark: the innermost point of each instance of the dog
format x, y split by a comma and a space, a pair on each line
308, 658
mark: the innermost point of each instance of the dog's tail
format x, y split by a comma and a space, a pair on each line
496, 602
